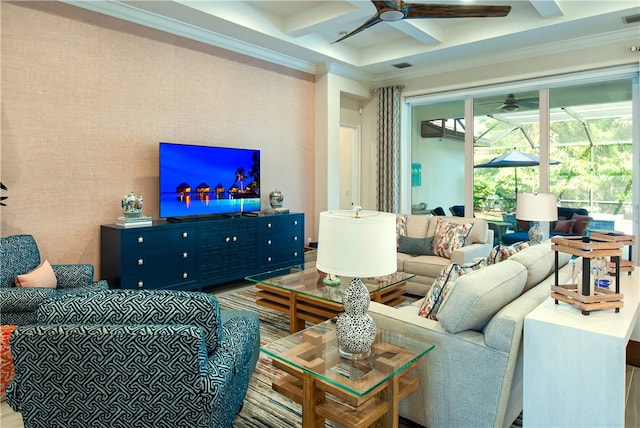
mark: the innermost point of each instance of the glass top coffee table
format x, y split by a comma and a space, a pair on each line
351, 393
300, 292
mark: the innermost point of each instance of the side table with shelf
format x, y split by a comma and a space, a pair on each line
352, 393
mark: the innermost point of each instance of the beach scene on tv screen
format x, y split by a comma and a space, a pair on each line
203, 180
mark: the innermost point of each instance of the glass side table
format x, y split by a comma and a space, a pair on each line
351, 393
299, 292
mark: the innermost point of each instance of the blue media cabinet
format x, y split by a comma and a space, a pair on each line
194, 254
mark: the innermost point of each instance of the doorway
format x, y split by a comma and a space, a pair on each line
350, 161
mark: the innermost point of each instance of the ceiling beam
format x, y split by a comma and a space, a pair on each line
547, 8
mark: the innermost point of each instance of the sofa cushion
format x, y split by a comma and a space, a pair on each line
501, 252
444, 283
42, 276
449, 237
582, 222
478, 296
416, 246
539, 260
428, 266
418, 225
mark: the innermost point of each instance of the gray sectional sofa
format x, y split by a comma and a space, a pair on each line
426, 267
473, 377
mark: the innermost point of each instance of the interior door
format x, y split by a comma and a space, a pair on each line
349, 166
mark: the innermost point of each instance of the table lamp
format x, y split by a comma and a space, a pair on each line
357, 244
536, 207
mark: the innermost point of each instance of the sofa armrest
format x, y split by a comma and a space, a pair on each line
467, 253
73, 275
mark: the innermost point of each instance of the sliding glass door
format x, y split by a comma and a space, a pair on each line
586, 132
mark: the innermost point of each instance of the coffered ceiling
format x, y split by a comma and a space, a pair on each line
299, 34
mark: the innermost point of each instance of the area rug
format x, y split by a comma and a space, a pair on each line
263, 407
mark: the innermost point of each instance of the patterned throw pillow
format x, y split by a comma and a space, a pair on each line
444, 283
449, 236
401, 228
503, 252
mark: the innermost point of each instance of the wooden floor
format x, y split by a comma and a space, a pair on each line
11, 419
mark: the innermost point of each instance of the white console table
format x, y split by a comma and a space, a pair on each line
574, 364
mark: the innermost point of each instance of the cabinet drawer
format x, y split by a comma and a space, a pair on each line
157, 279
142, 261
281, 257
153, 239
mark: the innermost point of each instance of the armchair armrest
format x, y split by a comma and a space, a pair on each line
467, 253
23, 299
73, 275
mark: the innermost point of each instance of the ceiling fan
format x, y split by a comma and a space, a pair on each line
396, 10
512, 104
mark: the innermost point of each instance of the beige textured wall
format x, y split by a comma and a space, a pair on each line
86, 98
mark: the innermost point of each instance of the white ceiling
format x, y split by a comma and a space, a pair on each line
299, 34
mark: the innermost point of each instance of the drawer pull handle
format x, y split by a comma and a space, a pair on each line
185, 234
295, 238
295, 222
268, 259
235, 238
227, 239
269, 225
140, 239
295, 254
185, 255
268, 241
185, 275
140, 284
140, 262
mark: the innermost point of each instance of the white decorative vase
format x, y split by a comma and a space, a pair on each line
132, 204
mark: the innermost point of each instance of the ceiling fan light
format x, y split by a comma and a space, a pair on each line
510, 108
391, 15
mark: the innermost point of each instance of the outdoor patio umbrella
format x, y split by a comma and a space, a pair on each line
514, 159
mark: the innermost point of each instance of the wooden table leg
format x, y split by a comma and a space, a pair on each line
295, 324
311, 396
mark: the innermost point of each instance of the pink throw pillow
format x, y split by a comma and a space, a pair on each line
42, 276
564, 226
581, 222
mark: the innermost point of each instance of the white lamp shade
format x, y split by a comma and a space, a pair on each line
360, 247
537, 207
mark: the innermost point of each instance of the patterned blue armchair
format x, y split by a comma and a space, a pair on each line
20, 255
128, 358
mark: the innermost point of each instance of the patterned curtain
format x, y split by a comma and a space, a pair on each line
388, 168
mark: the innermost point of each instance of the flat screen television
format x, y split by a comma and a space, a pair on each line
206, 180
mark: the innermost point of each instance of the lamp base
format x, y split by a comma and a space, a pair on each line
355, 329
331, 279
535, 234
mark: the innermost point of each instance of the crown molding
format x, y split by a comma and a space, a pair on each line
148, 19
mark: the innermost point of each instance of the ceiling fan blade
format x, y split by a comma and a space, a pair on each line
415, 10
370, 23
384, 4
